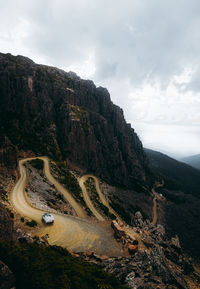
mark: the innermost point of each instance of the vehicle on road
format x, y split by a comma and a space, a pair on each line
48, 218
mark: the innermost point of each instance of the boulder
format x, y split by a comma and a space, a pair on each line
103, 257
132, 249
139, 219
89, 254
175, 243
119, 232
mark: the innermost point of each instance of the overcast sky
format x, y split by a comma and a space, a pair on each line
146, 52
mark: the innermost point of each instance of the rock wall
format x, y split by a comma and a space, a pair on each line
6, 226
58, 114
8, 154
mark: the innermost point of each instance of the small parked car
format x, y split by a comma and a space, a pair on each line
48, 218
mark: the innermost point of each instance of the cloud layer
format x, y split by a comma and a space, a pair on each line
146, 52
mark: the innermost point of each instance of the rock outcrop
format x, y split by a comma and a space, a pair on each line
7, 232
160, 264
8, 154
119, 232
52, 112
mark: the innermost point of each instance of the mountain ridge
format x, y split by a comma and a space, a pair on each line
193, 161
177, 175
182, 199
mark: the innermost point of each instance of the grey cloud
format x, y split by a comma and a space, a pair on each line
132, 41
154, 39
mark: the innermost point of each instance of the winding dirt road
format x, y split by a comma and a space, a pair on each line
155, 215
67, 231
156, 197
79, 211
87, 198
101, 197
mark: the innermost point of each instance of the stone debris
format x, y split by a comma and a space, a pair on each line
161, 265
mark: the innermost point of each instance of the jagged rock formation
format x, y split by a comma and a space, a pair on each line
56, 113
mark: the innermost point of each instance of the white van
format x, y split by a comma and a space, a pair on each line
48, 218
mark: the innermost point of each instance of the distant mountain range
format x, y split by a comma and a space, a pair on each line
193, 161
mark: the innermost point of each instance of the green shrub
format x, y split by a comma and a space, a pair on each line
121, 212
42, 267
90, 186
22, 219
135, 208
37, 164
11, 214
32, 223
65, 177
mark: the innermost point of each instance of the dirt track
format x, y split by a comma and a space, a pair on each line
156, 197
87, 198
101, 196
70, 232
155, 216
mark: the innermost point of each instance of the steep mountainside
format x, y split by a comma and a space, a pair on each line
177, 175
55, 113
181, 210
193, 161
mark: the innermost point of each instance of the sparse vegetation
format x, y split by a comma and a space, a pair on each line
176, 175
62, 173
124, 214
148, 245
22, 219
31, 223
41, 267
134, 208
89, 184
42, 141
37, 164
11, 214
78, 112
3, 195
172, 196
88, 211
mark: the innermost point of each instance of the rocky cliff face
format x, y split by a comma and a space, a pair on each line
6, 226
8, 154
52, 112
